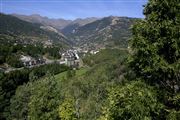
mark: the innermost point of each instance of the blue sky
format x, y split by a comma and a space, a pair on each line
72, 9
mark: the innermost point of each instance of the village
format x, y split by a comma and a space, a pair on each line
70, 57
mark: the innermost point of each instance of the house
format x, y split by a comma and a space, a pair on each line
28, 61
70, 58
94, 52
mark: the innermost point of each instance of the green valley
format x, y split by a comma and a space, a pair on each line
85, 61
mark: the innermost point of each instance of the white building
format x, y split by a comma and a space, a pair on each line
70, 58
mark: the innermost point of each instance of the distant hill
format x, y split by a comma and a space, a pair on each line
56, 23
108, 31
14, 29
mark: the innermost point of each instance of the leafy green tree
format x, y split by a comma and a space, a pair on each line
173, 115
155, 44
67, 110
134, 101
14, 61
19, 102
174, 108
9, 82
44, 101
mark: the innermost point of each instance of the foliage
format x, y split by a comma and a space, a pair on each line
107, 55
173, 107
83, 94
36, 100
70, 73
155, 44
19, 102
133, 101
14, 61
67, 110
90, 88
10, 81
44, 100
155, 52
176, 101
173, 115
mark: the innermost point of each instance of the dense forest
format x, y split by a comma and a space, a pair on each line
139, 83
12, 80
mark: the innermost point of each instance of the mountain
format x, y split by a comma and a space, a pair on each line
84, 21
108, 31
69, 29
56, 23
36, 18
14, 29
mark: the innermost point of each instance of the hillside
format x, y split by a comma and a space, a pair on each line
15, 30
108, 31
87, 86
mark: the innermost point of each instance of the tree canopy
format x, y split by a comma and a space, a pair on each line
133, 101
155, 44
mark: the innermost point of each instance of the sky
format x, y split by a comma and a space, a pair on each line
73, 9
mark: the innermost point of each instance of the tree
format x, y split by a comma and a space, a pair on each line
14, 61
173, 115
70, 73
155, 44
134, 101
19, 103
44, 100
67, 110
174, 108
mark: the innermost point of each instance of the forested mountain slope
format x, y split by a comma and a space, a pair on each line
109, 31
15, 30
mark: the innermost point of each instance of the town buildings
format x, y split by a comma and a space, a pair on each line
29, 61
70, 58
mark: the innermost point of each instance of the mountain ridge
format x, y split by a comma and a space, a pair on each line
107, 31
17, 30
110, 30
58, 23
